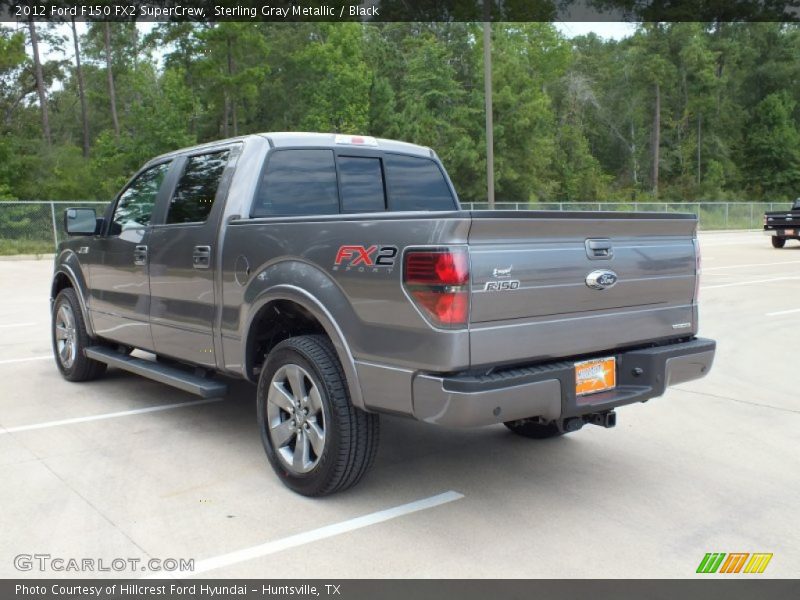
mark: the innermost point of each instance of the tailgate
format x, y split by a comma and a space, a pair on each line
547, 285
782, 220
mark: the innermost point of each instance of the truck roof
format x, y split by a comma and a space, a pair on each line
298, 139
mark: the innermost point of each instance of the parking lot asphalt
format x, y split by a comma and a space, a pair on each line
127, 468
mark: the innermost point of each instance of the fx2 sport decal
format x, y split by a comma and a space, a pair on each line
365, 258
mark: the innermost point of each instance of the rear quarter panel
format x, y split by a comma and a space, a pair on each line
367, 303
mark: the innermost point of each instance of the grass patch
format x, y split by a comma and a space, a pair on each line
12, 247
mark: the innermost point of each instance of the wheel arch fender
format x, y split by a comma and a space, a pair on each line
69, 274
313, 303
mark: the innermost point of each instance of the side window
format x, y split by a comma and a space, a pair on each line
298, 182
135, 206
361, 181
194, 195
417, 184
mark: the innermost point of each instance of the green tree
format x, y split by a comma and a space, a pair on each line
773, 148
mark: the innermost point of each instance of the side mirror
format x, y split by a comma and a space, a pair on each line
80, 221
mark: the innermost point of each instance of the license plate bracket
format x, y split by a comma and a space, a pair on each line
595, 375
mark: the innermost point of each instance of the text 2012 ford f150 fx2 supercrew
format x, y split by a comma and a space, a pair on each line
340, 274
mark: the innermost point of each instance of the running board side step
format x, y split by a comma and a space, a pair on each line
200, 386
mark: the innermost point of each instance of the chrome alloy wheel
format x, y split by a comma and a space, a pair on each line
66, 342
295, 418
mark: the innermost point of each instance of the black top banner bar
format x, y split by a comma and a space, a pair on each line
21, 11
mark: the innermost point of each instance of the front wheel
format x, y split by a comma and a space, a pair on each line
70, 339
778, 242
315, 439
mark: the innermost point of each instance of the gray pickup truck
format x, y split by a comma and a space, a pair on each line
340, 275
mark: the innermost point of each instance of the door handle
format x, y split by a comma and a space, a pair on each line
140, 255
599, 249
201, 257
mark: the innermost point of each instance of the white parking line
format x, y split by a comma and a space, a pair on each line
125, 413
752, 242
783, 312
785, 262
19, 360
724, 285
300, 539
17, 325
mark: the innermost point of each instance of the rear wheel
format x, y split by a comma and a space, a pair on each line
70, 339
534, 429
778, 242
315, 439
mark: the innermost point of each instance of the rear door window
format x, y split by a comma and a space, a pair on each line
194, 195
416, 184
298, 182
361, 184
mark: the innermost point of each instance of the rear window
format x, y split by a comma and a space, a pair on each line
416, 184
298, 182
361, 182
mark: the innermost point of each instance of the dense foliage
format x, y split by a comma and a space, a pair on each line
677, 111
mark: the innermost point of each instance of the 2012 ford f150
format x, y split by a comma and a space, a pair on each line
340, 275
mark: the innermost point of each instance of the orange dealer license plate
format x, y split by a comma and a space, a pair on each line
596, 375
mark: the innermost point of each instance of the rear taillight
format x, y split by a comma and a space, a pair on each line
438, 283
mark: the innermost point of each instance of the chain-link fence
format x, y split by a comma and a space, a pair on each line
711, 215
36, 227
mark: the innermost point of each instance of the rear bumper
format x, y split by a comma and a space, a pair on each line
782, 232
548, 390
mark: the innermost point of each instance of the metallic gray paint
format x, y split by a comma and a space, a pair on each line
383, 342
434, 404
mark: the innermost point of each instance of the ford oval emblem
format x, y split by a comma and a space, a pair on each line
601, 279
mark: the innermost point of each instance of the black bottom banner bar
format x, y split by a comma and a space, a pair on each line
391, 589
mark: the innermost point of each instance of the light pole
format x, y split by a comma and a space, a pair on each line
487, 92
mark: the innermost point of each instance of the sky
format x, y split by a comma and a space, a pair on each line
608, 30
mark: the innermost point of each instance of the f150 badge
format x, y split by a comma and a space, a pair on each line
601, 279
501, 286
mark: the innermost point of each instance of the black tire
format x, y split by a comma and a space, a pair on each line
79, 368
532, 429
778, 242
350, 435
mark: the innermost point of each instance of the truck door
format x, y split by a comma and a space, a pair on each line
119, 290
182, 258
